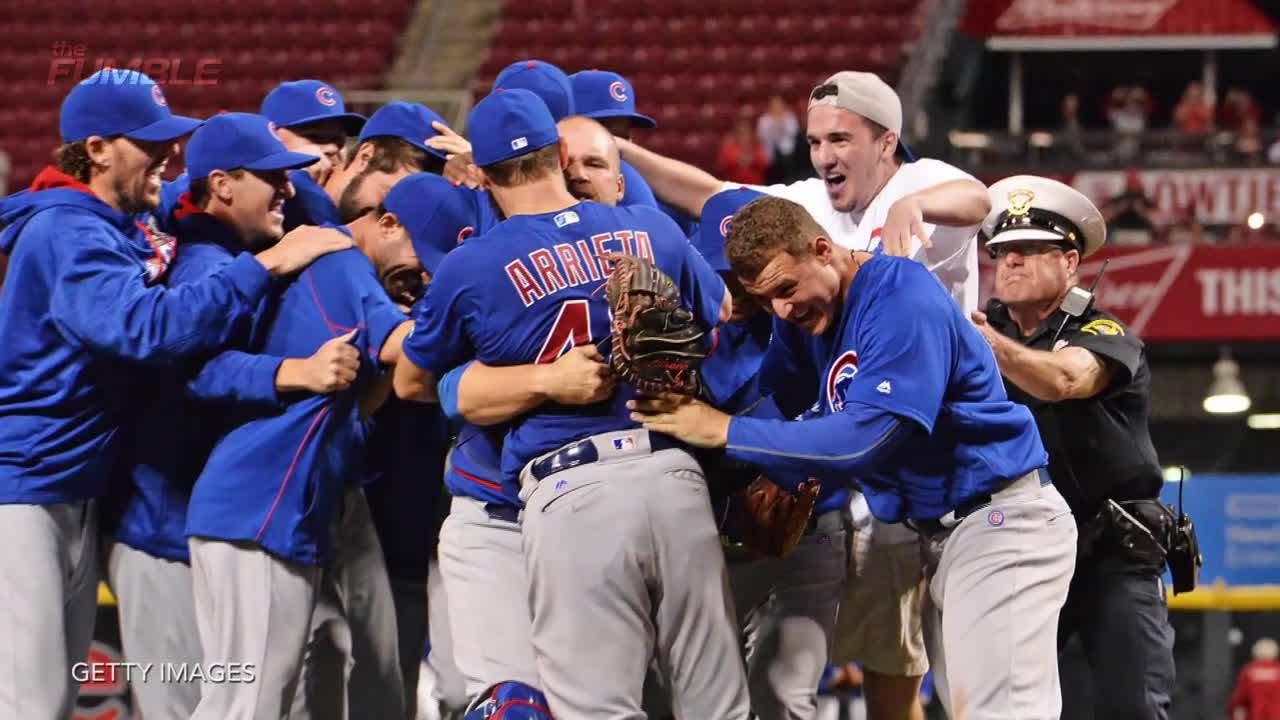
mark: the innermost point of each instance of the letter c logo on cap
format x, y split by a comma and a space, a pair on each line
725, 224
618, 91
326, 96
465, 233
158, 95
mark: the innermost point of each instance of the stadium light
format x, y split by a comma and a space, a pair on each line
1227, 395
1264, 421
1255, 221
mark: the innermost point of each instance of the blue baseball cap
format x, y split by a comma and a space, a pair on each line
306, 101
408, 121
115, 102
603, 94
234, 141
437, 215
542, 79
508, 124
717, 216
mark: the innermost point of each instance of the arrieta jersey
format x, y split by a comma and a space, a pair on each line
532, 288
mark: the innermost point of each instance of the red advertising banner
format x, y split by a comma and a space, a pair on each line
1216, 196
1186, 292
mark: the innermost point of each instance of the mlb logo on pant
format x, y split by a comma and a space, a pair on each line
624, 443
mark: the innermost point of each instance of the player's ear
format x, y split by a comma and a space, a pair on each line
622, 185
388, 223
361, 157
823, 249
220, 186
98, 149
564, 154
890, 145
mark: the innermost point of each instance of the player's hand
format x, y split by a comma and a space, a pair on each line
578, 377
333, 367
448, 142
684, 418
300, 247
905, 219
460, 170
980, 321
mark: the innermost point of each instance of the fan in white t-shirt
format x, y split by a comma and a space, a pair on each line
870, 189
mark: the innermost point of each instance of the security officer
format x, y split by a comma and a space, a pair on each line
1085, 377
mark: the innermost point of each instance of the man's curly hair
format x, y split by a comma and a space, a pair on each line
764, 227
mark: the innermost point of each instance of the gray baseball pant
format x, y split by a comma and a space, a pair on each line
157, 625
48, 605
625, 564
997, 583
352, 663
787, 609
252, 608
448, 691
485, 586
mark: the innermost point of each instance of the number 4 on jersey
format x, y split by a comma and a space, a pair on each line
571, 329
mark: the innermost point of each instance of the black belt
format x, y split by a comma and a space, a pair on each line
584, 452
935, 526
505, 513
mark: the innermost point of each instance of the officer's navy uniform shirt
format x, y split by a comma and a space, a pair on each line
1099, 447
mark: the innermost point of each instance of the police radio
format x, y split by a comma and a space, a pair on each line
1078, 301
1184, 555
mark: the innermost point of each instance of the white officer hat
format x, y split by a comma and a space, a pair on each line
1029, 207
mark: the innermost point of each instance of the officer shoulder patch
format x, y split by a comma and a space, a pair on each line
1103, 326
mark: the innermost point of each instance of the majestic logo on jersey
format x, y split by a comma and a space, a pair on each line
158, 95
884, 388
618, 91
725, 224
1020, 202
465, 233
1102, 326
326, 96
839, 377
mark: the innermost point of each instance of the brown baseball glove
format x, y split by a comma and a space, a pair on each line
771, 520
657, 346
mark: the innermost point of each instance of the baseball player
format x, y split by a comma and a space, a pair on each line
870, 193
311, 117
786, 606
481, 562
169, 438
596, 624
910, 402
409, 440
262, 523
81, 309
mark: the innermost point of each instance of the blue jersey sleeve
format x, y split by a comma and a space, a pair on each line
382, 317
905, 346
447, 389
635, 189
237, 377
836, 448
101, 302
702, 287
439, 341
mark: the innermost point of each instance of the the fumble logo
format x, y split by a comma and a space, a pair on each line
618, 91
465, 233
725, 224
995, 518
326, 96
520, 143
158, 95
839, 377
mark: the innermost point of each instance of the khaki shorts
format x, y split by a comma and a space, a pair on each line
879, 622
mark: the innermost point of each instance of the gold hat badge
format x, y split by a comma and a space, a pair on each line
1020, 202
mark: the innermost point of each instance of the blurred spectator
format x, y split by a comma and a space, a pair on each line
1257, 693
777, 129
1127, 110
1237, 110
1193, 113
1131, 216
742, 158
1072, 131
